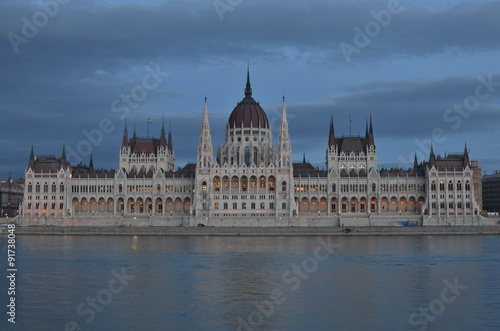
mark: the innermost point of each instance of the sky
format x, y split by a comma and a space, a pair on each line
71, 71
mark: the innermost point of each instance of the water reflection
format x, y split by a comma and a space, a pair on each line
206, 283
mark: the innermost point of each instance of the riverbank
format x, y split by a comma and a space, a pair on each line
253, 231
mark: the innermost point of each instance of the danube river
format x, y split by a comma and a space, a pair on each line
251, 283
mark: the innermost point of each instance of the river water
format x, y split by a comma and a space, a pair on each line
252, 283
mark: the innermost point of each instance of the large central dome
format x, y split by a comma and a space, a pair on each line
248, 113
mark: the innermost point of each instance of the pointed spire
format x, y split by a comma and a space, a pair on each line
63, 156
304, 158
31, 163
205, 147
466, 156
125, 135
366, 130
371, 139
432, 158
371, 126
284, 148
163, 142
169, 142
248, 89
205, 112
91, 163
415, 162
331, 138
134, 135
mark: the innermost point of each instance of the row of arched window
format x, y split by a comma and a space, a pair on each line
244, 184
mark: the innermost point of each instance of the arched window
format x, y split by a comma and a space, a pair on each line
225, 183
283, 186
253, 182
334, 188
217, 183
244, 183
450, 186
467, 186
234, 183
158, 188
272, 183
433, 186
374, 187
459, 186
204, 186
120, 188
262, 182
30, 188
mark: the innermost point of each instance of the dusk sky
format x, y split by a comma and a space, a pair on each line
423, 69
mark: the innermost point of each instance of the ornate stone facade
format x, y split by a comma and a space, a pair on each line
253, 180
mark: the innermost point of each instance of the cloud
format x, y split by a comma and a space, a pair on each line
64, 79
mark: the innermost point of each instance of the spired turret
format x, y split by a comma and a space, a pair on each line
146, 154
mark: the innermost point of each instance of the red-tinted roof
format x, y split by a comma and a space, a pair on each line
351, 144
248, 113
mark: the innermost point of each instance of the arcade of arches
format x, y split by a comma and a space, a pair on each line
361, 205
139, 205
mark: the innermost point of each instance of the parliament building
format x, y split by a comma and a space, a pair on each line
250, 181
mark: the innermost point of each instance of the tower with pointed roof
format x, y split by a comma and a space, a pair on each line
284, 148
204, 164
248, 139
205, 147
351, 155
141, 155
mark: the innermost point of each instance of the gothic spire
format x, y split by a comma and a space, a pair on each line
205, 147
163, 142
169, 142
32, 155
284, 149
248, 89
63, 156
331, 138
415, 162
371, 139
125, 135
304, 158
91, 163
